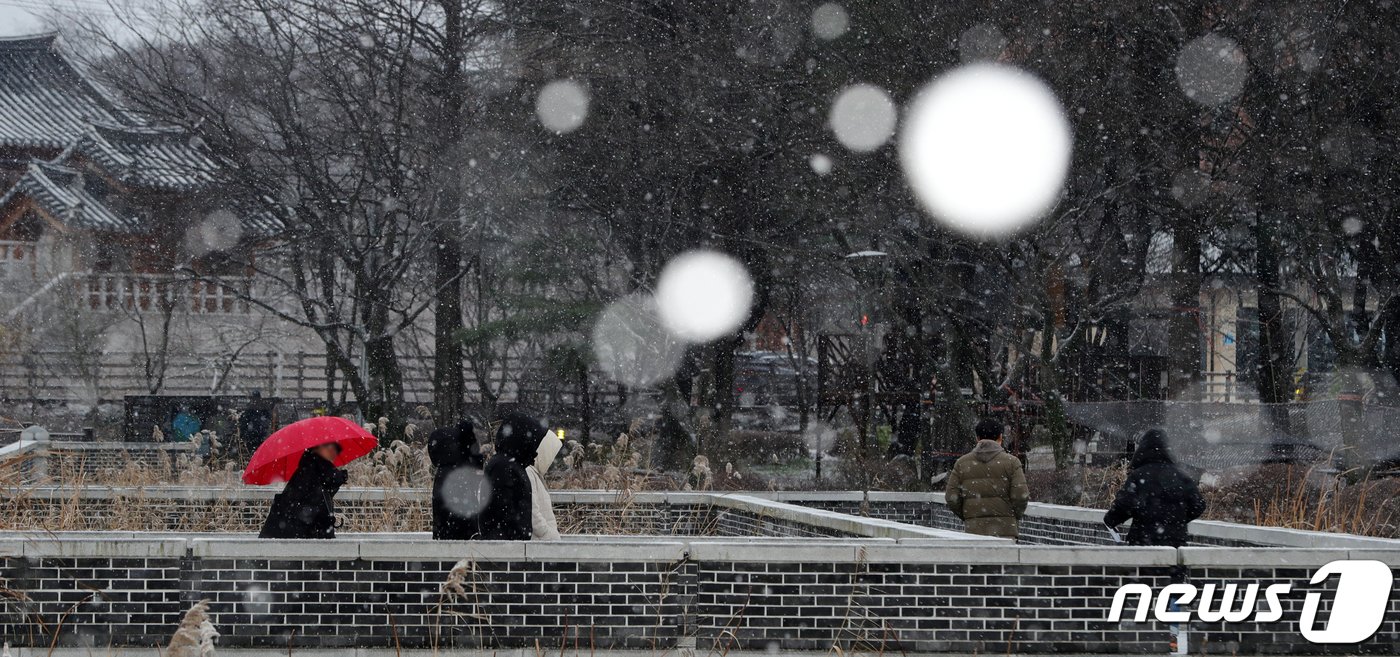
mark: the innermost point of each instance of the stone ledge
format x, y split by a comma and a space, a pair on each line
264, 548
1284, 537
753, 553
1216, 529
427, 549
172, 548
1261, 557
843, 496
592, 551
1388, 557
1098, 556
905, 553
634, 548
832, 520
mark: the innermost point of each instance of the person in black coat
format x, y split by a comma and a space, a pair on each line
457, 479
1158, 496
304, 508
507, 516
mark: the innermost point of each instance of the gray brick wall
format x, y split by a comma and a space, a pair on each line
90, 602
798, 594
892, 608
92, 459
740, 522
382, 603
1022, 606
329, 603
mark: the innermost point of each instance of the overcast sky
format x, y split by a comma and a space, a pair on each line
18, 20
28, 16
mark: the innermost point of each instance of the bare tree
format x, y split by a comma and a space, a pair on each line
316, 111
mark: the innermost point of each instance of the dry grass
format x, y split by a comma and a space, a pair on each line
1089, 487
1299, 497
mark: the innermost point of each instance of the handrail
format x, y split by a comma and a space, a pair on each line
107, 291
45, 289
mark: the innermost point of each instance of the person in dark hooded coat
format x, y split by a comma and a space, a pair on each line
1157, 496
457, 478
507, 516
304, 508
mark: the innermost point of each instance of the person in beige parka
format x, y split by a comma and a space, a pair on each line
987, 487
543, 526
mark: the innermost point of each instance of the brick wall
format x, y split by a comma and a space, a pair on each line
896, 599
744, 522
879, 602
876, 595
78, 461
95, 458
123, 598
379, 599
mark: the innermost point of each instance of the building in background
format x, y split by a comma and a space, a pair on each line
115, 237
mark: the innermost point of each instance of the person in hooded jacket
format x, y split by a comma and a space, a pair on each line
305, 508
457, 479
511, 513
1157, 496
543, 526
987, 487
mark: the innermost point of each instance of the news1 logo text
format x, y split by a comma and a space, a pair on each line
1358, 604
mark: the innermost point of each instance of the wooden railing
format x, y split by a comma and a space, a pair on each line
1226, 387
151, 292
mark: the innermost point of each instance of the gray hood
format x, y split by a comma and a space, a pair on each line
987, 450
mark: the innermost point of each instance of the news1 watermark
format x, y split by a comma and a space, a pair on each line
1359, 602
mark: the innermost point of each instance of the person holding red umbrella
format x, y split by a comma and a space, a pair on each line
307, 455
304, 508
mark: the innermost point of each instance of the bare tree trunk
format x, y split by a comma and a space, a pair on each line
156, 361
1184, 331
675, 442
1275, 365
386, 384
1056, 421
448, 384
725, 401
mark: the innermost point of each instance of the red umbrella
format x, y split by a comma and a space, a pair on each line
278, 457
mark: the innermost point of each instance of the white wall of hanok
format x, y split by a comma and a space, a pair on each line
75, 336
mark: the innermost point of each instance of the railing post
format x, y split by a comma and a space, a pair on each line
276, 373
301, 373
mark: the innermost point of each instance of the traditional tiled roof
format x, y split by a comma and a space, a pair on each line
69, 196
45, 102
150, 157
62, 192
259, 222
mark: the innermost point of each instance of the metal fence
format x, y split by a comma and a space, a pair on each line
1214, 435
50, 376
